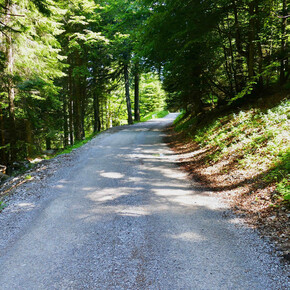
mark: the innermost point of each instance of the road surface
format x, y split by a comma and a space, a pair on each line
124, 216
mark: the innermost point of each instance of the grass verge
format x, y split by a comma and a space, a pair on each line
78, 144
154, 115
254, 139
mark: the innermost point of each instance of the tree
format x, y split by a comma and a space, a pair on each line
216, 50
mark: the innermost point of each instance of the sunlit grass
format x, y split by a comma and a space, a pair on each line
154, 115
259, 140
2, 205
78, 144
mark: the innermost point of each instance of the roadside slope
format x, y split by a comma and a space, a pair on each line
244, 157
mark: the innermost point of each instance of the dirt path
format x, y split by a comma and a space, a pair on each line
121, 215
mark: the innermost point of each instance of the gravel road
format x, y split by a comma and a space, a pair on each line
119, 214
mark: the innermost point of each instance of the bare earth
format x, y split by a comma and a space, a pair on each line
119, 214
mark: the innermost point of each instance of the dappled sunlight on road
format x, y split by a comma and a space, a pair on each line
113, 175
126, 217
135, 211
109, 194
188, 237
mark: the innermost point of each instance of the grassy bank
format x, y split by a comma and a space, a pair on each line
244, 157
154, 115
75, 146
254, 139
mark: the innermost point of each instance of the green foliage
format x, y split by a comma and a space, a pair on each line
162, 114
283, 188
184, 122
179, 118
259, 140
154, 115
213, 53
152, 95
66, 71
78, 144
2, 205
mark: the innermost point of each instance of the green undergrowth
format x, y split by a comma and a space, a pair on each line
78, 144
258, 139
154, 115
2, 205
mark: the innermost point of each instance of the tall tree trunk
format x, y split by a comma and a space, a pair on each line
102, 115
108, 114
136, 96
237, 30
70, 123
228, 72
127, 89
65, 121
97, 121
284, 58
83, 95
48, 143
232, 63
239, 47
11, 98
77, 109
2, 138
10, 86
259, 46
29, 137
251, 40
227, 64
70, 105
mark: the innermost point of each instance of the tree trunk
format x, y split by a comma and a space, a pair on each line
233, 63
259, 47
77, 113
237, 30
29, 138
48, 143
77, 109
228, 72
83, 95
102, 115
127, 89
97, 121
10, 87
136, 103
71, 126
2, 137
108, 114
65, 121
70, 105
251, 39
284, 58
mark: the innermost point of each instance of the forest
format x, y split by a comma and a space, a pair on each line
70, 69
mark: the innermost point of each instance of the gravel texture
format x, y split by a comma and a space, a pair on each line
119, 214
